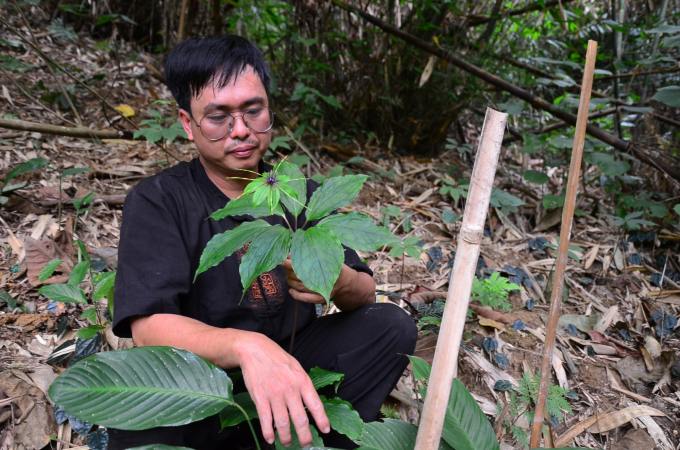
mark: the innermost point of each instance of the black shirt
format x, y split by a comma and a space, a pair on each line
165, 229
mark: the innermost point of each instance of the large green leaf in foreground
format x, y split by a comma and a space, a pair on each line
391, 434
317, 257
142, 388
465, 425
334, 193
358, 232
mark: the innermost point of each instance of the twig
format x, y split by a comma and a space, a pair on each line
563, 250
26, 413
81, 132
49, 67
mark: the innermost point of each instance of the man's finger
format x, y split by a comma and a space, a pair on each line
315, 407
282, 421
307, 297
298, 416
265, 415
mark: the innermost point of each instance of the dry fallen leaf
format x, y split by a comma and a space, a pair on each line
618, 418
125, 110
38, 254
491, 323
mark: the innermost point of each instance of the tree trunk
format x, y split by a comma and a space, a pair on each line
217, 16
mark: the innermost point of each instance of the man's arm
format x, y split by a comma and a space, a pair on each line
353, 289
275, 380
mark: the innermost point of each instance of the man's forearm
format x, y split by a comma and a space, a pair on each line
357, 290
220, 346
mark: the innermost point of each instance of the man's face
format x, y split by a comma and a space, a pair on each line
242, 148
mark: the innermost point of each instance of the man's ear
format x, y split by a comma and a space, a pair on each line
185, 119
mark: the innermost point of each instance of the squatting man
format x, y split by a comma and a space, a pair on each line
221, 85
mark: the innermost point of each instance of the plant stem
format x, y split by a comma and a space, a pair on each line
60, 200
252, 430
292, 335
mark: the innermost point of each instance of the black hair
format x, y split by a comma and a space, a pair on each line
195, 63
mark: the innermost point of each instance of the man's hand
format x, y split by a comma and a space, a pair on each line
275, 380
352, 290
279, 385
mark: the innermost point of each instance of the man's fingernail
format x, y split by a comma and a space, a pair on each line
270, 441
327, 430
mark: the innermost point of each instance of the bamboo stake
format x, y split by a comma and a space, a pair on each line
445, 366
563, 250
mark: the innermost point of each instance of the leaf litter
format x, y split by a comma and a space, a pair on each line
617, 327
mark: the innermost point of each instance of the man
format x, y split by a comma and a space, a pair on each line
221, 85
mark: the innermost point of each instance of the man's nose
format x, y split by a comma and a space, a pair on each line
239, 130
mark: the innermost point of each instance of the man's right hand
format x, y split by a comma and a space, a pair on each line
275, 380
279, 385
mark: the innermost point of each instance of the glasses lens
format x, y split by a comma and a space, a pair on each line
259, 119
216, 126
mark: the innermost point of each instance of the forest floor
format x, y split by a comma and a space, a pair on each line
612, 357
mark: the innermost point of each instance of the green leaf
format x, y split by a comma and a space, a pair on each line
13, 187
104, 284
298, 160
298, 182
334, 193
28, 166
89, 332
336, 172
75, 170
280, 141
357, 231
669, 95
63, 293
224, 244
505, 201
268, 250
231, 415
614, 168
322, 378
676, 208
534, 176
78, 273
391, 434
356, 160
83, 250
391, 210
48, 270
465, 425
421, 369
551, 201
152, 134
317, 257
450, 216
665, 29
90, 314
244, 206
295, 443
342, 417
119, 390
671, 41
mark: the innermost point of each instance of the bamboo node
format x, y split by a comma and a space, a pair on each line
471, 236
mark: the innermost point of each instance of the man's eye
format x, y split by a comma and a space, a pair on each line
254, 112
219, 118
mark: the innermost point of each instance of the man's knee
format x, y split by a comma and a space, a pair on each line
398, 326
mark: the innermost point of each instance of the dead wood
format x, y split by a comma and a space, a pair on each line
108, 199
81, 132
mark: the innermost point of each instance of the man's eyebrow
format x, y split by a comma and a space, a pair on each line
212, 106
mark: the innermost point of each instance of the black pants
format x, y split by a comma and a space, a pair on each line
368, 345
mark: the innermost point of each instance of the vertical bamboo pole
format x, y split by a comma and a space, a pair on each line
445, 366
563, 250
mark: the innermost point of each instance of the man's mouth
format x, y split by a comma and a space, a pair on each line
242, 151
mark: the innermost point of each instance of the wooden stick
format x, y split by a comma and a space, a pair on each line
445, 365
81, 132
563, 250
182, 21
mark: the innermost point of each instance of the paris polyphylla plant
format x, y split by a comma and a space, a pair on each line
315, 248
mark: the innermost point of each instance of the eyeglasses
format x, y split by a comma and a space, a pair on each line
215, 126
